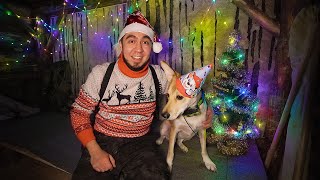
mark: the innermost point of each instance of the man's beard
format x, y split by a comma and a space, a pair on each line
135, 68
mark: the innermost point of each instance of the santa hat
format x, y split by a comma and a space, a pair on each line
136, 22
189, 85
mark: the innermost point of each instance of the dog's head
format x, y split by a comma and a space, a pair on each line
176, 102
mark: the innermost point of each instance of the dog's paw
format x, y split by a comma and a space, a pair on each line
211, 166
169, 166
183, 148
159, 141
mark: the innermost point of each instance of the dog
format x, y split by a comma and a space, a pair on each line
178, 127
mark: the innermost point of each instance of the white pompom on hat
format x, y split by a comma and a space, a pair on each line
136, 22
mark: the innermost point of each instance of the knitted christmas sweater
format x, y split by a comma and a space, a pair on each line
127, 106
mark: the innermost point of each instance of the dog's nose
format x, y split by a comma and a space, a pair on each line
165, 115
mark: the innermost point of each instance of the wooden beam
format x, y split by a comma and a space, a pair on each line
256, 14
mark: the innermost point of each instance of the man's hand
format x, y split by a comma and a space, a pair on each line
100, 160
208, 122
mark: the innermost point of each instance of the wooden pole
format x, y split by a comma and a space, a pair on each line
285, 115
283, 75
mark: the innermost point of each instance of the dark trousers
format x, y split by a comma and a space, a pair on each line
136, 159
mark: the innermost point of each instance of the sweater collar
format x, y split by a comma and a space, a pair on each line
128, 72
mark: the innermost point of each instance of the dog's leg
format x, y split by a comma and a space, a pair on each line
182, 146
172, 140
164, 132
206, 159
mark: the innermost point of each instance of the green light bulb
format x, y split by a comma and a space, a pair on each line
9, 13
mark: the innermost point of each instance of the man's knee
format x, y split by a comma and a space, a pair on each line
147, 166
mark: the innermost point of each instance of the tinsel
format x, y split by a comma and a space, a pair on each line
244, 130
244, 109
214, 139
233, 147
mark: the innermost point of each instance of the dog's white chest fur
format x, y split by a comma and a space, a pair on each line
186, 127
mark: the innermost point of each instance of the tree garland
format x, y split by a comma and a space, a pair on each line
227, 145
233, 147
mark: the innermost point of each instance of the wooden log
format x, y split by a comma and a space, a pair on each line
256, 14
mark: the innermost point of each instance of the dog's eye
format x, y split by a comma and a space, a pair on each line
167, 97
179, 97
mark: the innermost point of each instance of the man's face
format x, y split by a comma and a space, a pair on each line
136, 49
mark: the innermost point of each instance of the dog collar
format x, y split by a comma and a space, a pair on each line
195, 111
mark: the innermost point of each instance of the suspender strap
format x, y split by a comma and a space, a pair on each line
103, 87
157, 86
105, 80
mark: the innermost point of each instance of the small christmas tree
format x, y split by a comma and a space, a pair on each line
140, 94
233, 103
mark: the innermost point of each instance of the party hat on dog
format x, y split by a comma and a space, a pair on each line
189, 85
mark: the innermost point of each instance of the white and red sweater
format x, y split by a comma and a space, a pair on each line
127, 107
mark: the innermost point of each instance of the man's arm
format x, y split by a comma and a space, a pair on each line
80, 113
208, 122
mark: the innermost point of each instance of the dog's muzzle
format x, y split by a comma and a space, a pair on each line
165, 115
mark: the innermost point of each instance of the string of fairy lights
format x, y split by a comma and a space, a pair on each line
42, 27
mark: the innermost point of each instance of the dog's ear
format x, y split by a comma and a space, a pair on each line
167, 70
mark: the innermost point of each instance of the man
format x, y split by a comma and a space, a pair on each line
119, 145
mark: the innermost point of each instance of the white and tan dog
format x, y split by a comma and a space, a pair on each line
179, 127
